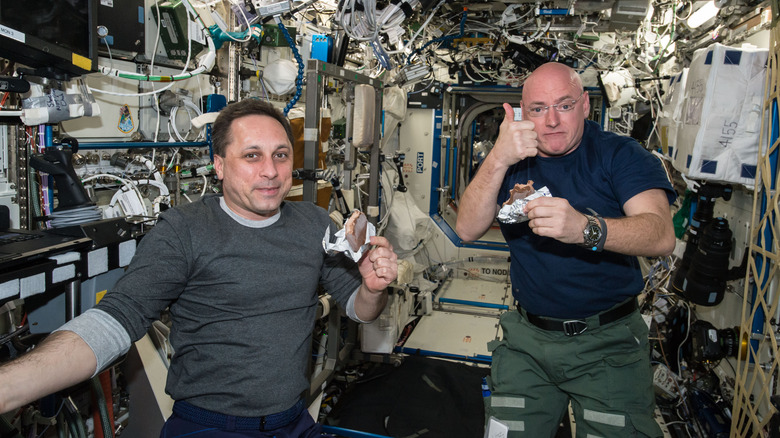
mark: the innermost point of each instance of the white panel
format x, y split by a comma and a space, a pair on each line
454, 333
416, 136
125, 114
106, 126
485, 292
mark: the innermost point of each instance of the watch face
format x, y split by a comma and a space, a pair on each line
592, 232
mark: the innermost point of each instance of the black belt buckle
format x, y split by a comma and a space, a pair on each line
574, 327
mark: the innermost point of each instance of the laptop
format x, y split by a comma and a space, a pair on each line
20, 246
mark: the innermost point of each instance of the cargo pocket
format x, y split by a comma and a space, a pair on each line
626, 383
644, 426
498, 350
623, 359
502, 409
628, 366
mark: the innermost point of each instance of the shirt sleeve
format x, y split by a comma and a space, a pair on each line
339, 277
104, 335
635, 170
156, 277
351, 313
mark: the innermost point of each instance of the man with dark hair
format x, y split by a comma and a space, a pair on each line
221, 135
239, 273
577, 335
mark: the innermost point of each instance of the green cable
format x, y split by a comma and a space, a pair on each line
105, 420
76, 423
61, 426
74, 432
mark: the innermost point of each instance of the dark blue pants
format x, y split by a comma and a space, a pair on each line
302, 427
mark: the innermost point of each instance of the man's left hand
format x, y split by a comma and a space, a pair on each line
379, 266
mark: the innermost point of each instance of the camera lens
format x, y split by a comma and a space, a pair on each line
705, 282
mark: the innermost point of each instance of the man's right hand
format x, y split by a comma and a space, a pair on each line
477, 209
516, 139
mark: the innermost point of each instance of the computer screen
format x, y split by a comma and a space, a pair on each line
57, 38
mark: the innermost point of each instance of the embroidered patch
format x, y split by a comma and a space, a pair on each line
125, 119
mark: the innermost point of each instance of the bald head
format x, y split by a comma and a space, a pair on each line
555, 74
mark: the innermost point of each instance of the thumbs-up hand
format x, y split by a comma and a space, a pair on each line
516, 139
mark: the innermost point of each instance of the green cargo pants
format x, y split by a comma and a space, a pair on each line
604, 372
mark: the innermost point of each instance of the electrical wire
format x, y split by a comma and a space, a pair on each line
74, 216
205, 186
188, 105
125, 183
687, 333
446, 38
205, 63
173, 158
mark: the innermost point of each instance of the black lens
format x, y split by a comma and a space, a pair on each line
705, 281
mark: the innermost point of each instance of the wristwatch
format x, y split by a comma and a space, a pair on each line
595, 232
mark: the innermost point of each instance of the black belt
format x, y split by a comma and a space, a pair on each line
209, 418
575, 327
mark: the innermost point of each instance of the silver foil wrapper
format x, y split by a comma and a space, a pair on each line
337, 242
514, 213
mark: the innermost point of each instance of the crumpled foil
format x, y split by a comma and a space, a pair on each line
337, 242
514, 213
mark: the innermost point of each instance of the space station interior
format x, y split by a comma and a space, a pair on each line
106, 113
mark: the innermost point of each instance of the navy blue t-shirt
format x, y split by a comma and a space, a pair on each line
561, 280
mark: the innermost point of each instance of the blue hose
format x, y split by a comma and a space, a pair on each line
299, 79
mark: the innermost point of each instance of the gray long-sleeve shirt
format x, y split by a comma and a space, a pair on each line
242, 300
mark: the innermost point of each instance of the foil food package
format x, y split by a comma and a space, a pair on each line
337, 242
514, 213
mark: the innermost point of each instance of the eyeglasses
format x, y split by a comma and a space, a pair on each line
561, 107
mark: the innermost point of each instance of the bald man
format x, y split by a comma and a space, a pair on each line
576, 335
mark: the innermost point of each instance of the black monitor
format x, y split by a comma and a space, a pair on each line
56, 38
